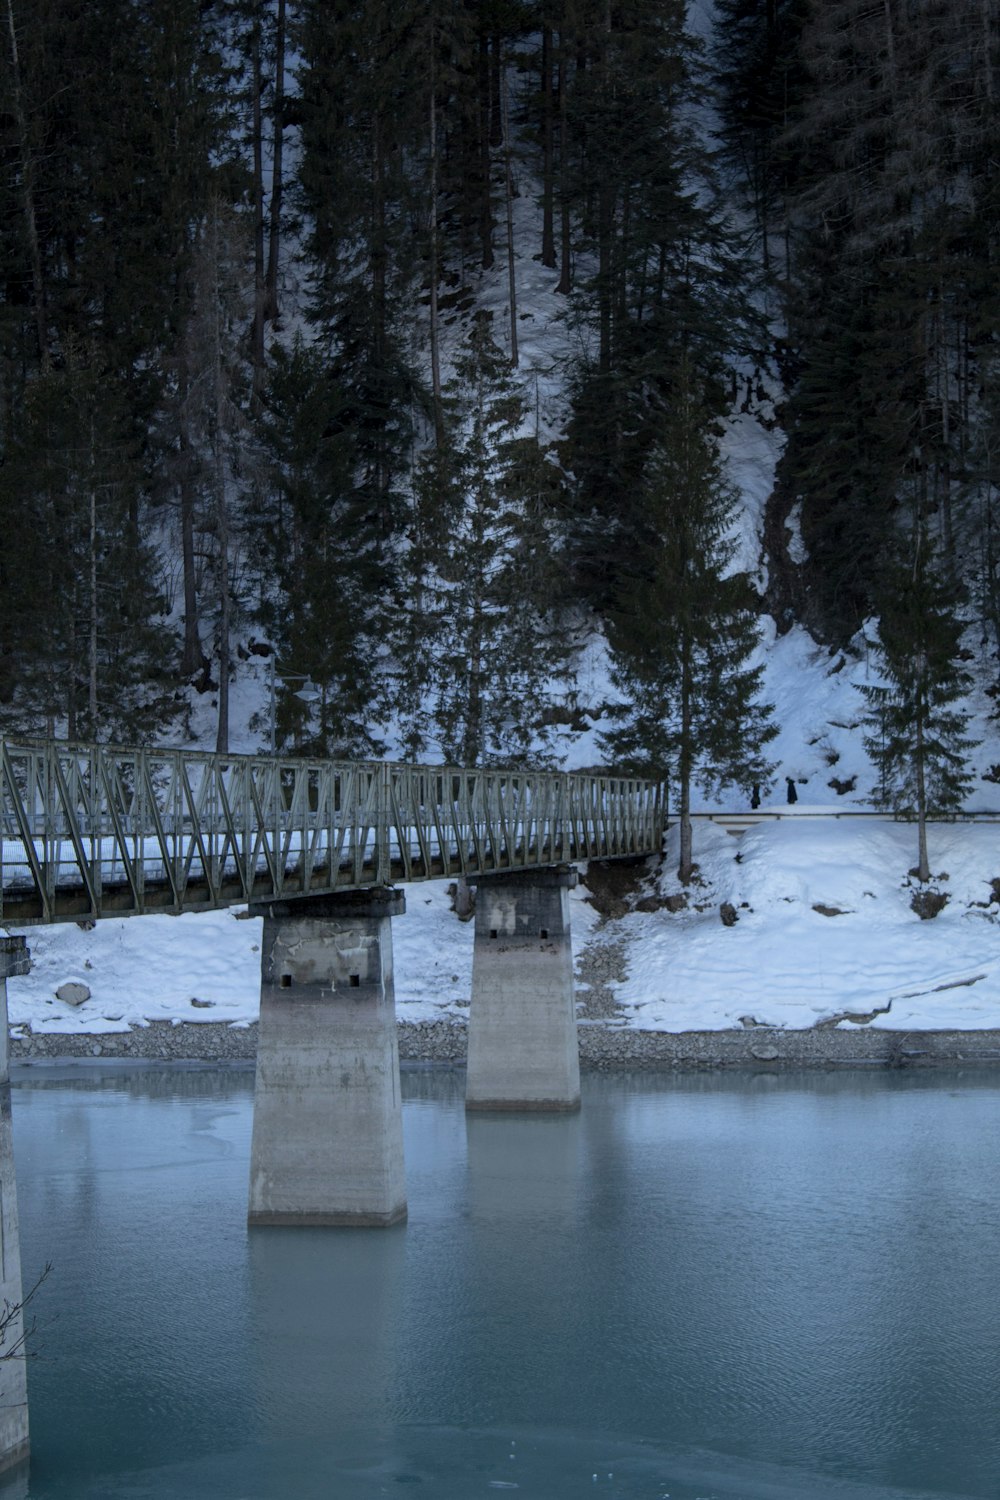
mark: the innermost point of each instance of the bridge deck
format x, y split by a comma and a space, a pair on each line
94, 831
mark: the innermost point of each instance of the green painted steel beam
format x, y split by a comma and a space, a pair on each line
91, 831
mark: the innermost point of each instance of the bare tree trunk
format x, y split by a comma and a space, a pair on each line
986, 7
485, 203
509, 197
923, 864
191, 654
28, 193
548, 227
565, 268
605, 226
259, 289
685, 868
497, 130
605, 232
93, 622
277, 169
72, 727
380, 310
220, 486
890, 50
433, 231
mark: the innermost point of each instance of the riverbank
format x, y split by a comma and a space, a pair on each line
799, 944
603, 1048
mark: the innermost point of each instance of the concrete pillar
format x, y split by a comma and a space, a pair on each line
522, 1021
327, 1142
13, 1377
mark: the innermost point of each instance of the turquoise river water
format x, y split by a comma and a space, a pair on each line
703, 1288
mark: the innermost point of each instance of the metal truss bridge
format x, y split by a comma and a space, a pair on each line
89, 831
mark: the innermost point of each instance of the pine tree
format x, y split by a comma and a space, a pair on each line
481, 639
363, 85
916, 724
80, 607
684, 627
670, 275
222, 450
892, 226
322, 574
758, 69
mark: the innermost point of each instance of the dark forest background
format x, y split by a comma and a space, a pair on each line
252, 399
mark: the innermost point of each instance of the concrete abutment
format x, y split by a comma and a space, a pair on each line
523, 1052
327, 1144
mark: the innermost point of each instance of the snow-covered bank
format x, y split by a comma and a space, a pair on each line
824, 936
825, 932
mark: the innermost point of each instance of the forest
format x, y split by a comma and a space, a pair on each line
262, 389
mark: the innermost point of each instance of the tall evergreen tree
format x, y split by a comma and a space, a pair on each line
363, 106
917, 723
323, 574
684, 627
670, 278
888, 166
80, 607
481, 638
758, 68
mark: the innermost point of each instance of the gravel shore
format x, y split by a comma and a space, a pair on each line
604, 1045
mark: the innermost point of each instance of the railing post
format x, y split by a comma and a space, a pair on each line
383, 871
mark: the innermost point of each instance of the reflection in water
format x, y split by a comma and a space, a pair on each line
324, 1308
750, 1288
524, 1168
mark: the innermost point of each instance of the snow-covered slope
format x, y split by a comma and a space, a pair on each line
824, 934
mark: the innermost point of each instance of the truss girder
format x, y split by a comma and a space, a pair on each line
89, 831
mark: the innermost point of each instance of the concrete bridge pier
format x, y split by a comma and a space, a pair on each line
523, 1050
13, 1375
327, 1144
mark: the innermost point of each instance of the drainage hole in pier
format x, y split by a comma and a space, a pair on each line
494, 932
543, 932
355, 981
286, 981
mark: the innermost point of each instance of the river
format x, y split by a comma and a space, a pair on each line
707, 1287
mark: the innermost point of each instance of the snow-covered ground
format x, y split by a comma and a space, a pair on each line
865, 959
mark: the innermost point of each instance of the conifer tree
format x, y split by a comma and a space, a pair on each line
758, 70
322, 575
363, 84
671, 277
916, 725
684, 627
216, 424
892, 224
80, 607
480, 641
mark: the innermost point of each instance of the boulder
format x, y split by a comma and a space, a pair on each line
73, 992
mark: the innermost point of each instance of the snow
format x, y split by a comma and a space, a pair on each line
866, 958
869, 960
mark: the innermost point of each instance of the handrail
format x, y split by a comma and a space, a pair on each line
740, 822
90, 831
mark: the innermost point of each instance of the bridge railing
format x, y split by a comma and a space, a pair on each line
89, 831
